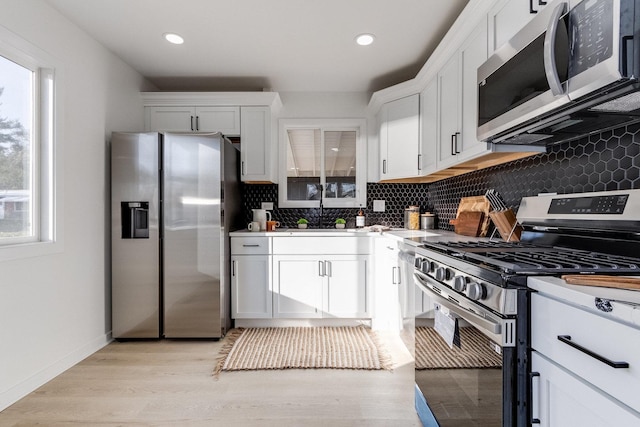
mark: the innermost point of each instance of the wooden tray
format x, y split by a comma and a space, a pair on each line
477, 204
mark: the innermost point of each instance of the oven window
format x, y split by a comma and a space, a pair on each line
522, 78
461, 385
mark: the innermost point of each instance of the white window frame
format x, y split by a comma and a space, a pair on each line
46, 156
357, 125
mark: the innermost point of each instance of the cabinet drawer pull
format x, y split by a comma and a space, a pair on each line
191, 123
198, 123
250, 246
567, 340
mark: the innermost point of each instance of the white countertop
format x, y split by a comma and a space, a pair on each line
625, 304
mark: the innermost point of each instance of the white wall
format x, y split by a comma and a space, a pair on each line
335, 105
55, 309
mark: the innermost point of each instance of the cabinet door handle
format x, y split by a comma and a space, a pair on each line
456, 139
534, 419
197, 122
191, 123
419, 162
242, 167
233, 268
244, 245
320, 268
327, 268
384, 166
395, 275
567, 340
453, 148
531, 9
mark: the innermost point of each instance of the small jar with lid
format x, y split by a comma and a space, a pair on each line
427, 221
412, 218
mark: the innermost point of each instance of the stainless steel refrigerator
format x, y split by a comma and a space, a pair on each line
174, 199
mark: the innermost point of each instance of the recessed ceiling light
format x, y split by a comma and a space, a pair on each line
365, 39
173, 38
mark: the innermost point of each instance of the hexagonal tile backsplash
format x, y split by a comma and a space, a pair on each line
606, 161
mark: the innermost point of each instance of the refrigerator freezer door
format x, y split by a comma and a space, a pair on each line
135, 249
192, 236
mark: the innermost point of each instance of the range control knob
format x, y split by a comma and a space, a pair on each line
417, 263
460, 283
476, 291
428, 267
443, 273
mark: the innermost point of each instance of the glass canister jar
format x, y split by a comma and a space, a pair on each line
412, 218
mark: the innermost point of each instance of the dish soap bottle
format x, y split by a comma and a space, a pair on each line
360, 218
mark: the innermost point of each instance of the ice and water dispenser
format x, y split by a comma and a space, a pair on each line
135, 220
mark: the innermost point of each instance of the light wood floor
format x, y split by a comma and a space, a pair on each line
169, 383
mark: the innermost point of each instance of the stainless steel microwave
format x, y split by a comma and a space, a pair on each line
571, 71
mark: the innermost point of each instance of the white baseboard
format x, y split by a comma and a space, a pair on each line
20, 390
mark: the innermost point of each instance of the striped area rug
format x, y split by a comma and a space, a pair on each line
433, 353
302, 348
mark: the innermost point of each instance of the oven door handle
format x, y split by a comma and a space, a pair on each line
478, 321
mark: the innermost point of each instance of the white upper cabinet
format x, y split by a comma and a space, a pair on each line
507, 17
225, 120
400, 138
429, 127
255, 137
458, 101
249, 115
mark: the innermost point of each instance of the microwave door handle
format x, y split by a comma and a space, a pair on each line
549, 50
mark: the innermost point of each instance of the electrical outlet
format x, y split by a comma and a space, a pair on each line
267, 206
378, 205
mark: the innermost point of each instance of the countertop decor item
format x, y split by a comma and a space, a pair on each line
302, 223
340, 223
341, 347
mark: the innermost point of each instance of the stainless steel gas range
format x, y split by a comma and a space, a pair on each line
482, 284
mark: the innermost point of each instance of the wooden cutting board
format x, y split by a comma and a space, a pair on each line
476, 204
618, 282
468, 223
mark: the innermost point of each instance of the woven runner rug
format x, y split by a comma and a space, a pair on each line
302, 348
432, 352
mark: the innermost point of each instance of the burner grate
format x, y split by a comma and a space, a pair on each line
528, 258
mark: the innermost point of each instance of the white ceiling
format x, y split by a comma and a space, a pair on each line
282, 45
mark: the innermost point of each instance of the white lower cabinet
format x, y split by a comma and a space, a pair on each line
584, 366
315, 286
251, 294
562, 399
298, 286
300, 277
